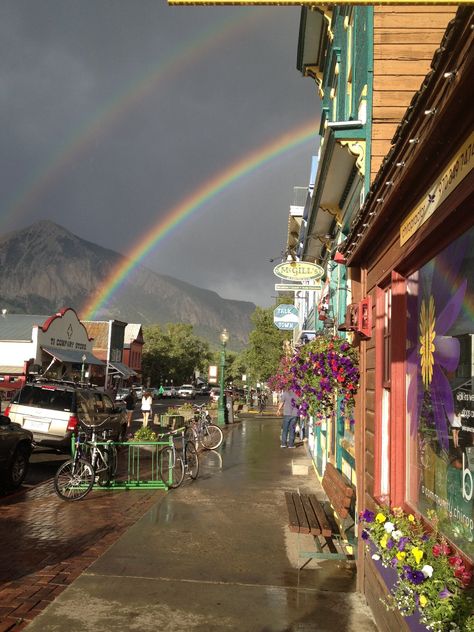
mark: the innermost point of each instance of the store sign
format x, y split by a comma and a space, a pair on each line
286, 317
296, 287
457, 170
212, 375
298, 271
293, 3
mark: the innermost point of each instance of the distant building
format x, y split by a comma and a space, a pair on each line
58, 346
133, 349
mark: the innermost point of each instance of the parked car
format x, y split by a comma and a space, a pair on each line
187, 391
169, 391
54, 410
121, 393
16, 445
214, 394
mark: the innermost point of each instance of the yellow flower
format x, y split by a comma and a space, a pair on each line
411, 518
423, 601
417, 554
427, 337
401, 555
380, 517
383, 541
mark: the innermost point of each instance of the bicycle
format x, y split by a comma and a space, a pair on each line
202, 431
175, 463
93, 461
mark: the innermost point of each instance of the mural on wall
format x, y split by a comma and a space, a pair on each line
440, 395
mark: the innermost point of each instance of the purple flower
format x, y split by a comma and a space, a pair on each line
402, 542
365, 535
367, 516
390, 544
435, 299
445, 594
416, 577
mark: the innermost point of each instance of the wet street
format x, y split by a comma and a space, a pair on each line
215, 554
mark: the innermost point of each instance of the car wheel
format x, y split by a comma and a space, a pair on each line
18, 468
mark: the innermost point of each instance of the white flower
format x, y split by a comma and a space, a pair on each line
389, 527
427, 570
375, 556
396, 535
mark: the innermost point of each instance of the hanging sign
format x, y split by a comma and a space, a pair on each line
298, 270
296, 287
286, 317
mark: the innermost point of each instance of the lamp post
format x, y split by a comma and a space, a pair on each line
220, 408
83, 368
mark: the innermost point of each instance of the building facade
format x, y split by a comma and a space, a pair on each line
410, 255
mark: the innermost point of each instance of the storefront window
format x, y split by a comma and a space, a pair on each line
440, 395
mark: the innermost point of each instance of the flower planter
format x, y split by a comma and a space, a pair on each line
389, 577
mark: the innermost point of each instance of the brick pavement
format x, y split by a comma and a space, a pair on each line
45, 543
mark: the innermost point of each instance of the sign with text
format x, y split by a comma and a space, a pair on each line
212, 375
298, 271
286, 316
296, 287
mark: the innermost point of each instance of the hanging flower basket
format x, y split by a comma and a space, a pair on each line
429, 578
324, 372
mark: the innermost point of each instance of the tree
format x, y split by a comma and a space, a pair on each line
265, 347
173, 352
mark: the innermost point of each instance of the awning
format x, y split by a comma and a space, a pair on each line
123, 369
75, 357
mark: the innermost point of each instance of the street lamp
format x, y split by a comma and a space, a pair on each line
220, 408
83, 368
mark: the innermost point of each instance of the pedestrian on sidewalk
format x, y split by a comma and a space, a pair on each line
147, 402
287, 406
129, 400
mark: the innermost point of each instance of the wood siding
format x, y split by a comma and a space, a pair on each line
405, 39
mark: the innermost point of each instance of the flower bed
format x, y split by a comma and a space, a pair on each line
429, 578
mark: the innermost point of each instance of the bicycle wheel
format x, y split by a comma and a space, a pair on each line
192, 460
190, 434
171, 467
107, 473
211, 437
74, 479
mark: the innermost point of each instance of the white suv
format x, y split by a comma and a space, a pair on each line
55, 410
187, 391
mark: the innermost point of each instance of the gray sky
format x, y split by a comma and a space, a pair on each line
112, 113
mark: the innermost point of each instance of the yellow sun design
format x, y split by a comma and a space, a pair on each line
427, 336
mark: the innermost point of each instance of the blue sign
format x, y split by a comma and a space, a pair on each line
286, 317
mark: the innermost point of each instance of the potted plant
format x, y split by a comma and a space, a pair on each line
428, 578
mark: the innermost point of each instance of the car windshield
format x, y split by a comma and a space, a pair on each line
45, 396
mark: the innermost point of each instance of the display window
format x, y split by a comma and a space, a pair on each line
440, 395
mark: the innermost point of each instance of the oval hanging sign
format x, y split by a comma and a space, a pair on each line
298, 270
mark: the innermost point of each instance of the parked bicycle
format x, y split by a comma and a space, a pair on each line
177, 461
94, 460
202, 431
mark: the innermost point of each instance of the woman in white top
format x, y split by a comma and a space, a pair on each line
147, 401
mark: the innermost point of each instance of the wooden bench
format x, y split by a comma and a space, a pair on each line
329, 522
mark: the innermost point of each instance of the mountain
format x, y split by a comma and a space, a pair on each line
45, 267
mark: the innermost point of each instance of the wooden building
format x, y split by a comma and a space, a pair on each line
410, 251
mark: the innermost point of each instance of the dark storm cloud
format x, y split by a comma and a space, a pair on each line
67, 65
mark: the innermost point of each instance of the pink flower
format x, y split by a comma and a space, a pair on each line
441, 549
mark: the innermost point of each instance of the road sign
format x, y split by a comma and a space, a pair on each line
295, 287
286, 317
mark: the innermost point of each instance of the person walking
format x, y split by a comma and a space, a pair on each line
287, 406
147, 402
129, 400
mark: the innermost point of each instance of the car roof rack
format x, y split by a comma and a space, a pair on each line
57, 381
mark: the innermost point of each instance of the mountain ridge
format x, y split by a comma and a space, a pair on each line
45, 267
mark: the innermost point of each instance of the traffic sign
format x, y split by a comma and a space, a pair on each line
286, 316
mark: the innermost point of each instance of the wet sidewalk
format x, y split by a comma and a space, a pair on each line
215, 555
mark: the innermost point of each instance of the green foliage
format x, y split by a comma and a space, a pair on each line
173, 352
262, 356
145, 433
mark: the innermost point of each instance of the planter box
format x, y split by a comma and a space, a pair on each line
172, 421
389, 577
